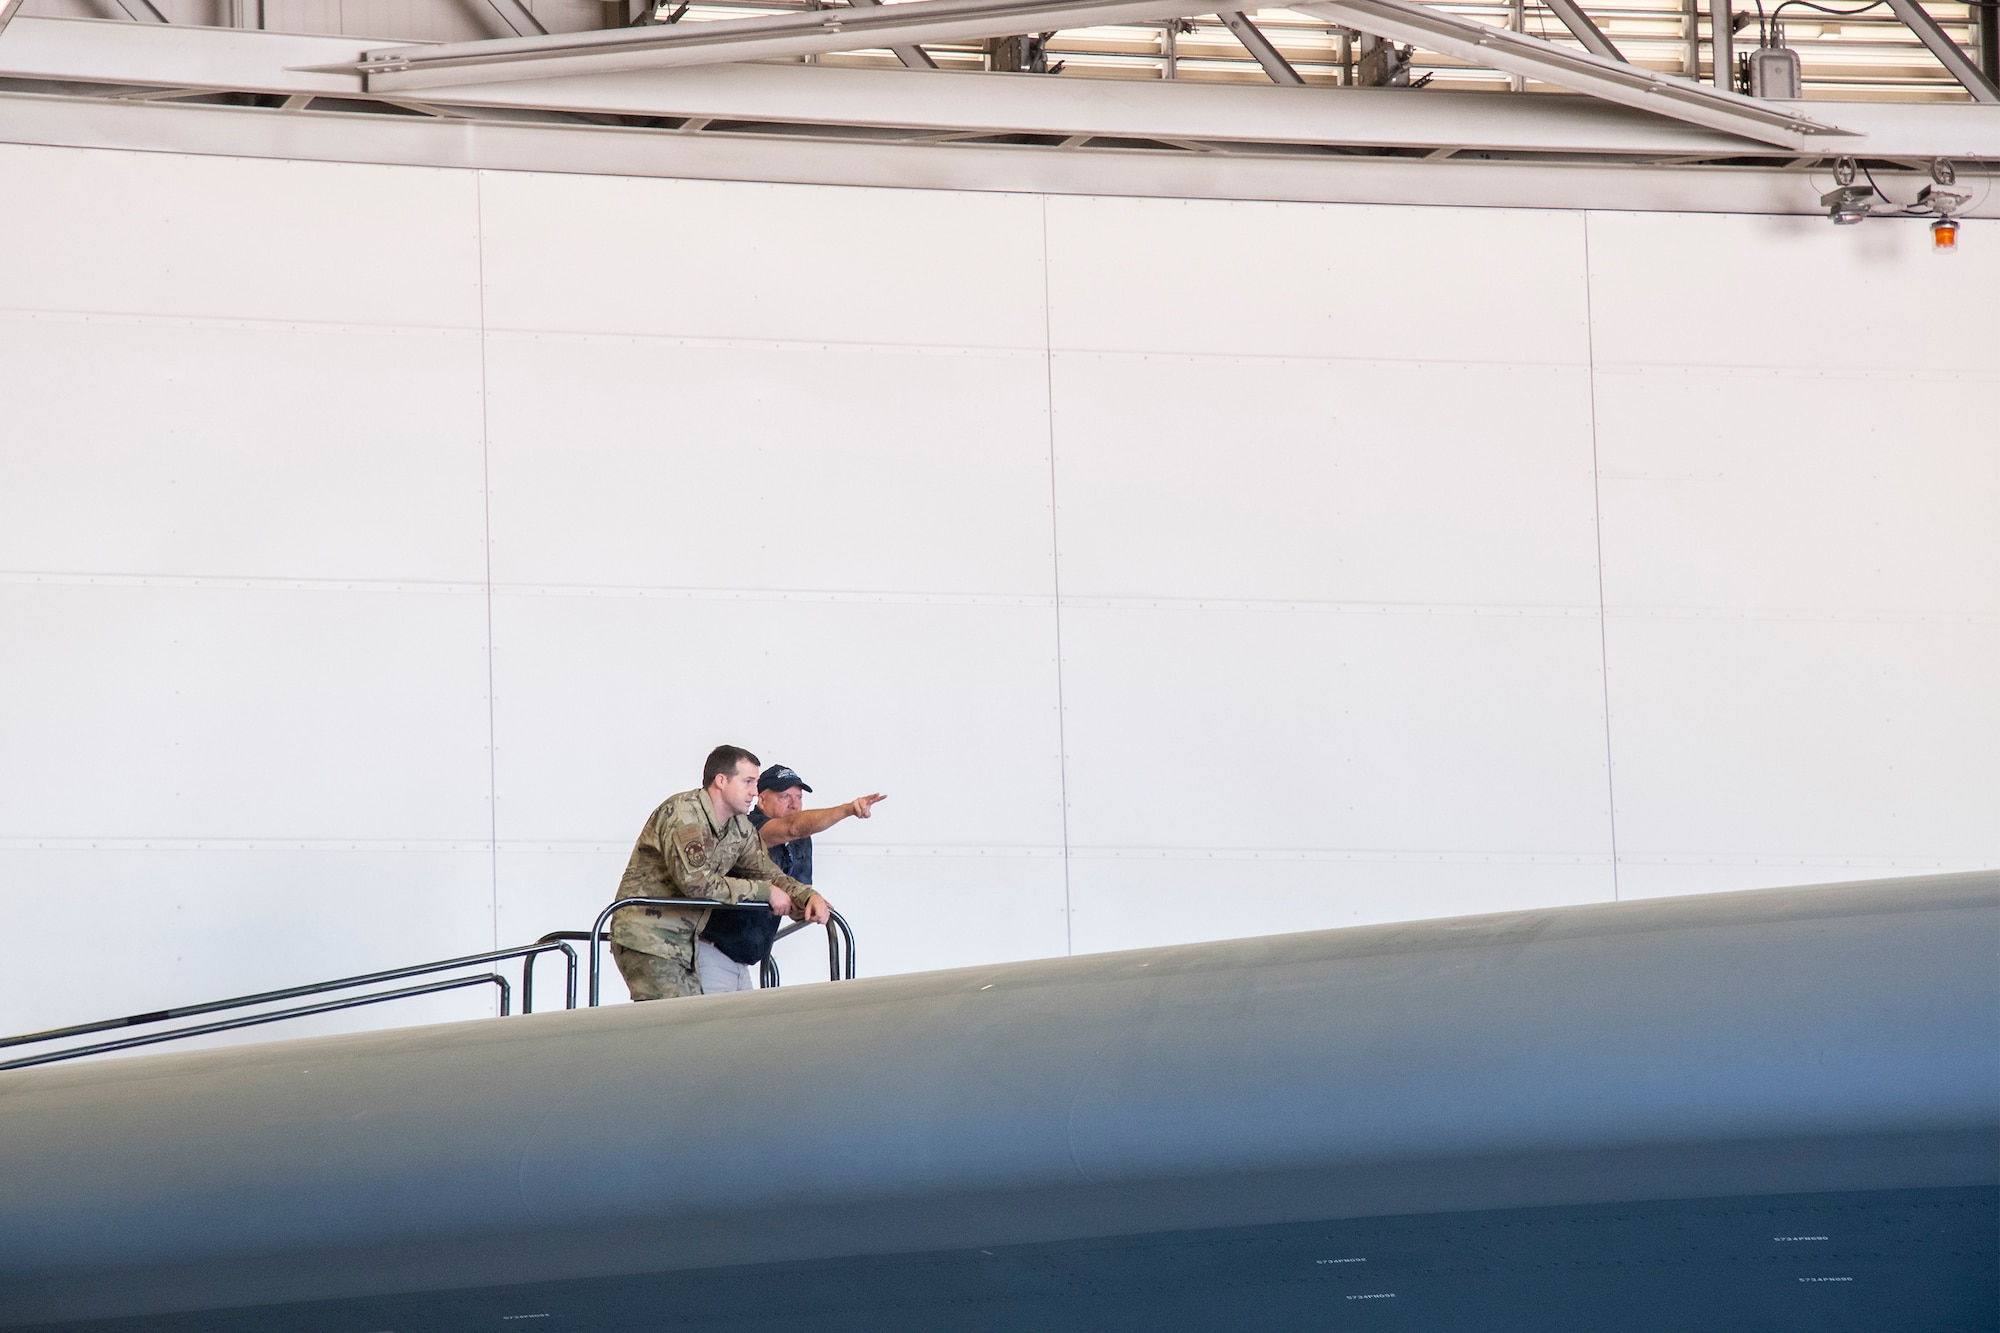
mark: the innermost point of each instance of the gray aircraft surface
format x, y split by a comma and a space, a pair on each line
1762, 1111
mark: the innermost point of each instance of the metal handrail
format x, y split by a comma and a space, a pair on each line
767, 972
554, 938
840, 965
833, 962
835, 970
253, 1020
317, 988
833, 919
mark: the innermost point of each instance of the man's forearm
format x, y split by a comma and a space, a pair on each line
722, 888
803, 824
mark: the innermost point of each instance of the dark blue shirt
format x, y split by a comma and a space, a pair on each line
746, 937
795, 858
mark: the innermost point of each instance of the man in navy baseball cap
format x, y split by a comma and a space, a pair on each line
733, 944
778, 778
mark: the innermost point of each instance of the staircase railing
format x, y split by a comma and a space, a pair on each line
528, 951
840, 965
837, 933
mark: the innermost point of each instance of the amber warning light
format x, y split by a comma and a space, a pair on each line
1944, 236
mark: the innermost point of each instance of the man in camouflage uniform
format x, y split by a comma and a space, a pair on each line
698, 844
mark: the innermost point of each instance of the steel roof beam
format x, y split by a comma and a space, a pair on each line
164, 55
912, 55
81, 55
1779, 123
517, 18
337, 136
1579, 24
1258, 45
82, 51
808, 32
1946, 50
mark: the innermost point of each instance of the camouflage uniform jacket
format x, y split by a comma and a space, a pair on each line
681, 853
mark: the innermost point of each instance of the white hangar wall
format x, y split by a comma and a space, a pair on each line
378, 545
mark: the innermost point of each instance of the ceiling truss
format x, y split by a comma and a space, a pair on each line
717, 78
1975, 81
1782, 123
1260, 48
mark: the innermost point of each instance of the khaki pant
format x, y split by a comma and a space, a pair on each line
720, 973
651, 977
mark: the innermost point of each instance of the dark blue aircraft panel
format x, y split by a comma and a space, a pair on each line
1835, 1263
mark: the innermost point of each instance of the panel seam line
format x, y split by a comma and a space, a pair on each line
1055, 584
1597, 528
486, 535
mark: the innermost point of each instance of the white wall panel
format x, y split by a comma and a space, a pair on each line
251, 450
1312, 729
1283, 479
794, 263
94, 932
1328, 558
1428, 284
622, 462
242, 707
605, 706
1851, 493
1805, 737
1802, 579
1730, 290
238, 238
130, 710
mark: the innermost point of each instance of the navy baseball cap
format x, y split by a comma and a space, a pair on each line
779, 778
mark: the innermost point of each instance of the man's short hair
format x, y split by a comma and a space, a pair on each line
724, 759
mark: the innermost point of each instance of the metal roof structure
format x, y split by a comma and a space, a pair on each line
1604, 107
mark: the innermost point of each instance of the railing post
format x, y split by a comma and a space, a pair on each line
833, 919
547, 944
596, 951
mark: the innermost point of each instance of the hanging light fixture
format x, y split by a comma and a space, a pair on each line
1940, 199
1848, 204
